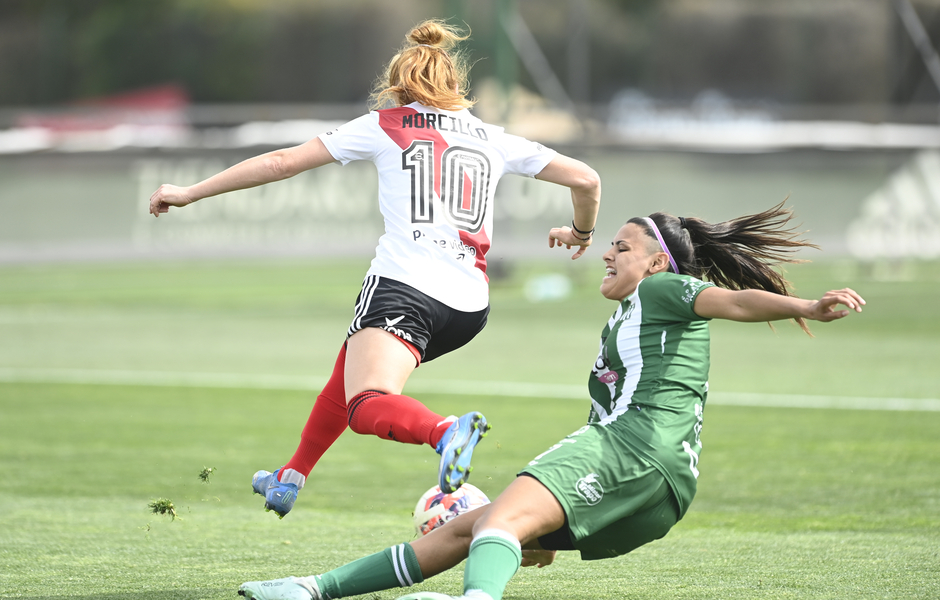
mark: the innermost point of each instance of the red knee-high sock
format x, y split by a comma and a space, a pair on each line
326, 422
394, 417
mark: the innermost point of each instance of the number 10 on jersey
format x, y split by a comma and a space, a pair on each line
462, 175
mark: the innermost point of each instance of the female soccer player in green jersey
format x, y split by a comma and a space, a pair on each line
625, 478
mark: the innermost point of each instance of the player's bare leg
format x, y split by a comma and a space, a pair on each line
448, 545
377, 360
407, 564
378, 364
372, 359
525, 511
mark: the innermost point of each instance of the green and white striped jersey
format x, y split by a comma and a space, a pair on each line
650, 380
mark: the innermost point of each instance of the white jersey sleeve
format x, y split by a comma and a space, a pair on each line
354, 140
438, 172
525, 157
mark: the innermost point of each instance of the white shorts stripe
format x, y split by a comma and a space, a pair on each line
365, 299
362, 297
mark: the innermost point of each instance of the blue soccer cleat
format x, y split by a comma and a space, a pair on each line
278, 496
289, 588
456, 449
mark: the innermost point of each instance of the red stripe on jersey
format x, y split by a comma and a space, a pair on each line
467, 189
481, 242
390, 120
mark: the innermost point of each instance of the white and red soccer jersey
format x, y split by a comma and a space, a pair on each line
438, 172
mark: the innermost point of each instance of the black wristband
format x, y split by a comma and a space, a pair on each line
587, 233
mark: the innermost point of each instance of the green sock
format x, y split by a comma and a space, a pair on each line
393, 567
494, 558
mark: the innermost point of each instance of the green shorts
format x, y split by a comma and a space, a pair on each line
614, 500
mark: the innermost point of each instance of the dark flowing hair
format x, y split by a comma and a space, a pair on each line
739, 254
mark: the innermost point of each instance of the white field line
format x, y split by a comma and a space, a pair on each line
482, 388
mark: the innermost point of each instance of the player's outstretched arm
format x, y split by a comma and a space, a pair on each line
255, 171
585, 187
751, 306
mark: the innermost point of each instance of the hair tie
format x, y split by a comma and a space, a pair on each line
682, 222
428, 46
662, 243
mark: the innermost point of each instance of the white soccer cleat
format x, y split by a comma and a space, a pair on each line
288, 588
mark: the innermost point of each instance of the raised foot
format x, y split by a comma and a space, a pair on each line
456, 450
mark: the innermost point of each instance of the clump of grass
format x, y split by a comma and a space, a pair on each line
162, 506
205, 473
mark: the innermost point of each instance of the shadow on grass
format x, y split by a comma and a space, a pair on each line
199, 594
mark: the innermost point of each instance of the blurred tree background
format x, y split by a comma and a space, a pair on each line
329, 51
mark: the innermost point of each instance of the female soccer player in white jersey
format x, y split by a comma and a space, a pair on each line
625, 478
426, 292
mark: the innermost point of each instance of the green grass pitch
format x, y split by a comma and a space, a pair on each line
792, 503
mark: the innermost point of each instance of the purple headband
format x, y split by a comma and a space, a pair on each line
659, 237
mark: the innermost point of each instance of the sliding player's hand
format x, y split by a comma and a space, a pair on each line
537, 558
824, 309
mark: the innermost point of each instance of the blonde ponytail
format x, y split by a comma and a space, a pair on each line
428, 69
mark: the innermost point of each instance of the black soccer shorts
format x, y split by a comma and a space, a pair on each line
432, 327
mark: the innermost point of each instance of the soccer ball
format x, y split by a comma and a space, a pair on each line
436, 508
